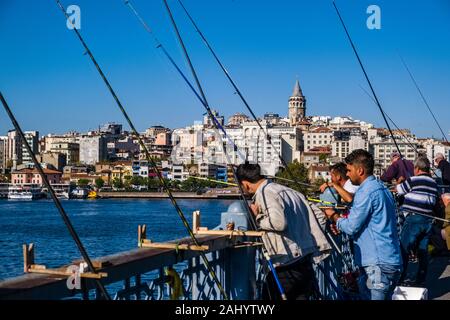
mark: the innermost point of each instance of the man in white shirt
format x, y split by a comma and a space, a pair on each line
340, 182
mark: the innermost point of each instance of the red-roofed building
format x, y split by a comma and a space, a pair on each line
26, 176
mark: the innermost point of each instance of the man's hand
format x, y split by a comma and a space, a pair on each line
332, 215
445, 200
256, 209
324, 186
334, 229
400, 180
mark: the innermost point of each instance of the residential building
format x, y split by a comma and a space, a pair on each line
70, 149
3, 161
342, 148
237, 119
32, 138
93, 149
56, 160
14, 149
317, 137
382, 148
32, 176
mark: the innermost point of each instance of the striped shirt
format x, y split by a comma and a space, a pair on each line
421, 193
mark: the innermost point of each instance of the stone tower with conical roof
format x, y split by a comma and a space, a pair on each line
297, 105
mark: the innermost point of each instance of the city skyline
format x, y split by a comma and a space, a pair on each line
266, 48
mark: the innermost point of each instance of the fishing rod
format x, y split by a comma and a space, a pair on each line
215, 181
147, 154
159, 45
423, 97
55, 199
392, 121
239, 93
213, 118
400, 130
370, 84
431, 217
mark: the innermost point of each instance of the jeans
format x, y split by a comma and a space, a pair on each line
377, 282
416, 235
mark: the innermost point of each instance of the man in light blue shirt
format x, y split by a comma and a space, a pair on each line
372, 224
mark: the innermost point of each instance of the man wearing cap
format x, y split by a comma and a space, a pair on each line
400, 169
444, 167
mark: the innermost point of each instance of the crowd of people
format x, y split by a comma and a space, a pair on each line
389, 220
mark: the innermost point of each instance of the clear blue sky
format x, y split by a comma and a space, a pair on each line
53, 87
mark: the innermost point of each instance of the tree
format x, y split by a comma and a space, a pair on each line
83, 182
99, 183
295, 171
117, 183
323, 158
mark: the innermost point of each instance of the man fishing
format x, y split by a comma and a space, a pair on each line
372, 224
293, 233
421, 197
399, 170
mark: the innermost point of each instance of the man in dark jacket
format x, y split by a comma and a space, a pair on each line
444, 167
399, 168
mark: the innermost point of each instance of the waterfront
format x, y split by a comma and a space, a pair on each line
105, 226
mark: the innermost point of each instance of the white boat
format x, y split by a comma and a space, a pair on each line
80, 193
25, 192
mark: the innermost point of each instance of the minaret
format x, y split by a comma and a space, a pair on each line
297, 105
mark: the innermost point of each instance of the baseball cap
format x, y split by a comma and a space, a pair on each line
438, 155
395, 154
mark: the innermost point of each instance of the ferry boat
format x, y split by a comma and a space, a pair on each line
25, 192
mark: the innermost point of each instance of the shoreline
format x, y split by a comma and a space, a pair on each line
162, 195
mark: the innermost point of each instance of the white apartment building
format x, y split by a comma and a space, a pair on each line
92, 149
382, 148
197, 144
317, 137
342, 148
434, 147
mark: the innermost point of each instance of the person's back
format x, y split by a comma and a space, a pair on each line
292, 236
444, 166
420, 192
401, 168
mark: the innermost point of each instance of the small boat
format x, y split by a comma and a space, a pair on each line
25, 192
92, 195
80, 193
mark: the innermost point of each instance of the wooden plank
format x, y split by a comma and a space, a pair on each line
58, 272
182, 246
28, 256
231, 233
195, 221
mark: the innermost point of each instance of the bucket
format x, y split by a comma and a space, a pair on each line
410, 293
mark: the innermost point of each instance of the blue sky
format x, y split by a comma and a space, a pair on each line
53, 87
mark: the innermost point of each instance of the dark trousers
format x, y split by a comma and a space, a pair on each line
298, 281
415, 236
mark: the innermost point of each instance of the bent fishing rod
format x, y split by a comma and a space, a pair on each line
423, 97
239, 93
55, 199
377, 101
147, 155
217, 124
159, 45
392, 121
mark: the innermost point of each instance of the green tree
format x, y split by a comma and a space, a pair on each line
83, 182
117, 183
296, 172
99, 183
323, 158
